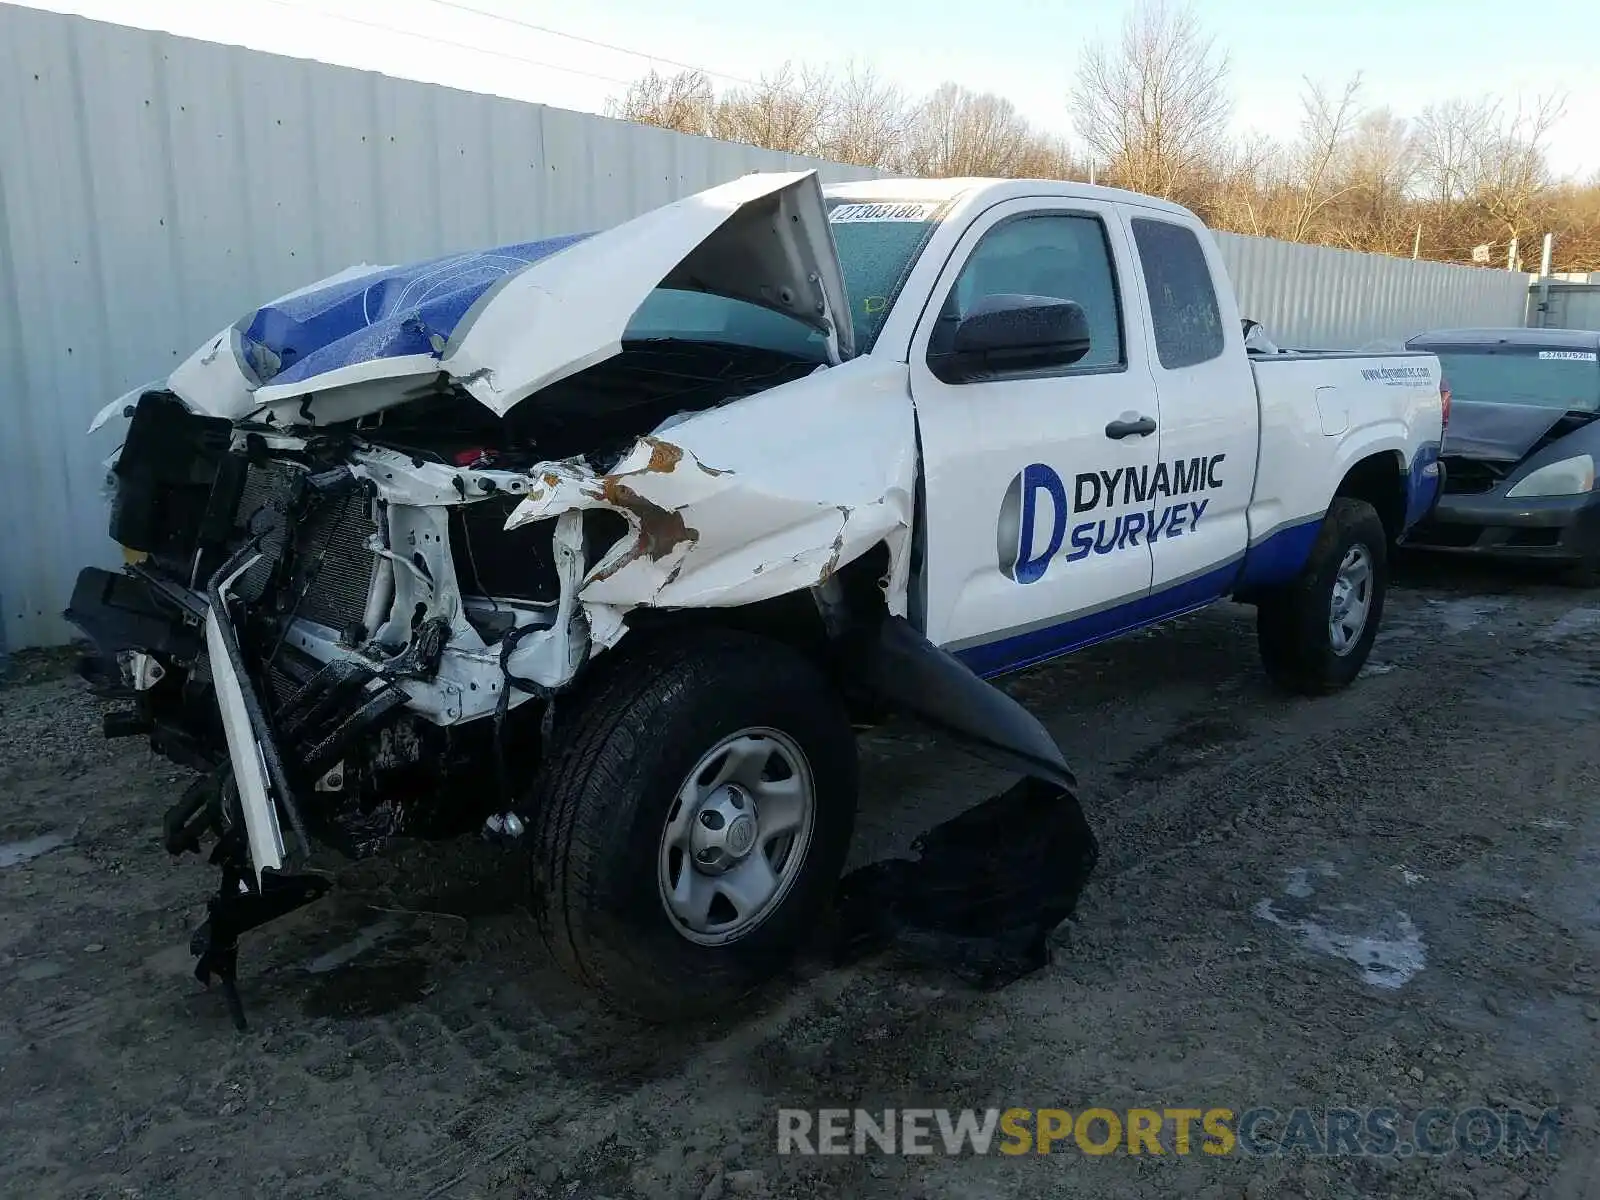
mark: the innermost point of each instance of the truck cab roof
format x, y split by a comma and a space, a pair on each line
993, 191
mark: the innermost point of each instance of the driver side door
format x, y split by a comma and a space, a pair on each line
1035, 534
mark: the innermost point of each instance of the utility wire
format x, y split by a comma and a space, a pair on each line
588, 41
439, 41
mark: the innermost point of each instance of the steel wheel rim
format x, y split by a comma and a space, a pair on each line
1351, 602
737, 835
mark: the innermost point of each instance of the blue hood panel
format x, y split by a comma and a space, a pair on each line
391, 313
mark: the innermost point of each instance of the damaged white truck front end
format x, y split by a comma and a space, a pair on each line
384, 533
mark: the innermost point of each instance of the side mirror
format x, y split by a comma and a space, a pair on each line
1014, 333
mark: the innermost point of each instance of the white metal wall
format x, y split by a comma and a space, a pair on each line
1319, 297
1570, 305
153, 188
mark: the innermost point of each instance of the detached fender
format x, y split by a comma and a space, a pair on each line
909, 671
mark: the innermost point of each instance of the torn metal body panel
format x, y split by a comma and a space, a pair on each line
750, 501
255, 782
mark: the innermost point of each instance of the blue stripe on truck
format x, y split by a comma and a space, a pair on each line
1279, 556
1275, 559
1422, 485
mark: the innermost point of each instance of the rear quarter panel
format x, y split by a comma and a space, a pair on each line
1320, 416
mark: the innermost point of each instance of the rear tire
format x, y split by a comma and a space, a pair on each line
605, 855
1309, 643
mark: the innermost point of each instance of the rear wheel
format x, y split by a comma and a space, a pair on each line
1315, 634
692, 822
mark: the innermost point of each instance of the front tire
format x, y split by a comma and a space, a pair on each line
692, 822
1315, 634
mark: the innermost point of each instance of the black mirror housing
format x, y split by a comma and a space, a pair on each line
1014, 333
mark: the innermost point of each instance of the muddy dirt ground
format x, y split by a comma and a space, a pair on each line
1439, 823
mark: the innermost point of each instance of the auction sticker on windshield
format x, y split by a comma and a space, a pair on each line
883, 212
1569, 355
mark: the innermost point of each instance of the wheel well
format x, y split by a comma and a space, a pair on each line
853, 596
1379, 479
793, 618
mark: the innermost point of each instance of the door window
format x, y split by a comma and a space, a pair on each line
1183, 304
1061, 257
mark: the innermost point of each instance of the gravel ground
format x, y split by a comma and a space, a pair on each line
1386, 897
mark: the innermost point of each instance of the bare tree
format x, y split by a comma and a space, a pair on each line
1482, 163
1382, 170
955, 132
1510, 175
683, 102
1047, 157
868, 119
1155, 108
1324, 136
789, 110
1153, 111
1448, 137
1236, 191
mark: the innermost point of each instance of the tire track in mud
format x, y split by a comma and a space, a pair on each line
495, 1127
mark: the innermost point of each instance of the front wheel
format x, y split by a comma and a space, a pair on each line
692, 822
1315, 634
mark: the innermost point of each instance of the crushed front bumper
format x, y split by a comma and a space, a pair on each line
1555, 529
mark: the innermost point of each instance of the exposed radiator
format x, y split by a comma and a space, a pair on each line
263, 502
333, 568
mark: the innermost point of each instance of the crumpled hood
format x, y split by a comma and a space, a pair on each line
389, 312
506, 322
1497, 432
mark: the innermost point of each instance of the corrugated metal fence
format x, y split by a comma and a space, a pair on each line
1564, 304
1316, 296
153, 188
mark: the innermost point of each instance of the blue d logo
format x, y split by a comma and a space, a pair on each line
1019, 518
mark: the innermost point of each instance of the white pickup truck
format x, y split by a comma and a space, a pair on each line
603, 542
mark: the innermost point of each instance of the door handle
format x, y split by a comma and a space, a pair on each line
1143, 427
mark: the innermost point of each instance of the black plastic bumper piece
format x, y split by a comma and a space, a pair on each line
118, 612
234, 911
1556, 529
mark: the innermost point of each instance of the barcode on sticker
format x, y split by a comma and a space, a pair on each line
882, 212
1570, 355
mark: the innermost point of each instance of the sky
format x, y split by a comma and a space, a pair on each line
1410, 52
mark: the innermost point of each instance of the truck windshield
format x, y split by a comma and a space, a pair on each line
877, 242
702, 317
1568, 380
